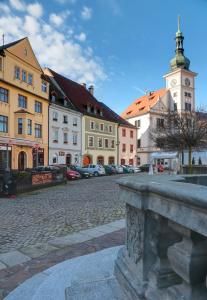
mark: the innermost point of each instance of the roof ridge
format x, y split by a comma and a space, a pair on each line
8, 45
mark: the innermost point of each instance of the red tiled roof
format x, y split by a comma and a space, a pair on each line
143, 104
81, 97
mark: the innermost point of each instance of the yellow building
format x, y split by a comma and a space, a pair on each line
24, 104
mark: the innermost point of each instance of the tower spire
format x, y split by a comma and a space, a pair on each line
178, 23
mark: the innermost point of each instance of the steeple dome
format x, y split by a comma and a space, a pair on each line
179, 61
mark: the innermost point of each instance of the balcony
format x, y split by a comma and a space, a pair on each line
165, 257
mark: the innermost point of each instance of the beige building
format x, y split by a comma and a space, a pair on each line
23, 108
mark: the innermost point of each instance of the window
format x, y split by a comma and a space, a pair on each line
90, 141
138, 143
123, 132
30, 79
55, 136
38, 107
131, 148
29, 127
55, 116
75, 121
24, 76
112, 144
20, 126
187, 94
4, 95
131, 134
22, 101
17, 73
106, 142
188, 106
110, 128
92, 125
1, 63
101, 127
65, 137
131, 162
75, 139
3, 124
160, 123
175, 107
122, 161
123, 147
138, 123
65, 119
53, 98
44, 86
100, 142
38, 130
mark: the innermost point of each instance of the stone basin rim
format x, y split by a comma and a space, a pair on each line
170, 186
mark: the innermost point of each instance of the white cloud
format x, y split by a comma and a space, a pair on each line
17, 4
81, 37
65, 1
35, 10
86, 13
54, 47
56, 20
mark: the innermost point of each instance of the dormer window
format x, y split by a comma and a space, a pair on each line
101, 113
53, 98
44, 86
65, 102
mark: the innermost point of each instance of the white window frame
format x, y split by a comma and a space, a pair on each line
105, 143
110, 128
55, 116
111, 144
88, 141
92, 122
65, 134
100, 126
75, 121
100, 139
75, 139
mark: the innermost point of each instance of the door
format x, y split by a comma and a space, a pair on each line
22, 161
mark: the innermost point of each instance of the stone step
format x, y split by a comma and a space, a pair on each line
107, 288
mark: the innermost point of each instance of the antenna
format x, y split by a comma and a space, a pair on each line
178, 22
3, 39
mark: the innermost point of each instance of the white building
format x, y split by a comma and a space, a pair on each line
65, 127
179, 94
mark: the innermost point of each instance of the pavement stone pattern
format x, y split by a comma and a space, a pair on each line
12, 277
39, 216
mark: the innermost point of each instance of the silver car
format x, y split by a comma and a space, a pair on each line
96, 170
119, 169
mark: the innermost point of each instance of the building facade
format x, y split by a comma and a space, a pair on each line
65, 127
99, 126
146, 113
127, 145
24, 96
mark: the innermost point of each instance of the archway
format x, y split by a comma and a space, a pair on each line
87, 160
68, 159
22, 161
111, 160
100, 160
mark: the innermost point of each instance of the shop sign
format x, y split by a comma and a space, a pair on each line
61, 153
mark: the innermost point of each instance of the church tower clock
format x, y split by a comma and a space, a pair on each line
180, 81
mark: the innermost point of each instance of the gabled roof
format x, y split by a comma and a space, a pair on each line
119, 119
143, 104
81, 98
6, 46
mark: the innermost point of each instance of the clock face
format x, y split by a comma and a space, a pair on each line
173, 82
187, 81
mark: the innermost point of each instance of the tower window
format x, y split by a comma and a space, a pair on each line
188, 106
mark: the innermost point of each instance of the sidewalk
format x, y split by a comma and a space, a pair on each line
19, 265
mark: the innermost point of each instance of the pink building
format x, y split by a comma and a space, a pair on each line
127, 144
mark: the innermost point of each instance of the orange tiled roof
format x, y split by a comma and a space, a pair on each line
143, 104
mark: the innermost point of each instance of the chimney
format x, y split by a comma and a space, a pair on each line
91, 89
83, 84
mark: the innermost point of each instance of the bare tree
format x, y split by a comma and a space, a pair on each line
182, 131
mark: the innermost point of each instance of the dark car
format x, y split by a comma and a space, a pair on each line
109, 170
145, 168
81, 171
127, 169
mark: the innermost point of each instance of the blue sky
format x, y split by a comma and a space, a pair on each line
123, 47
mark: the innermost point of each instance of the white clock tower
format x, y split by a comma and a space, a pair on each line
181, 81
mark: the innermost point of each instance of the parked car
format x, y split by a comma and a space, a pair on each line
109, 170
145, 168
71, 174
96, 170
134, 169
84, 173
127, 169
118, 168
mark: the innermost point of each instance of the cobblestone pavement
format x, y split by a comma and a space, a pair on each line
39, 216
